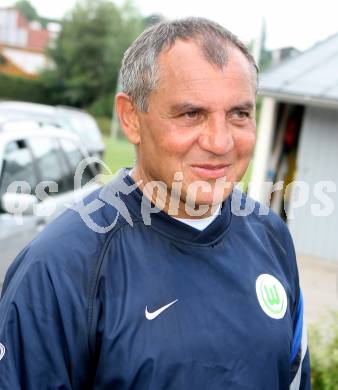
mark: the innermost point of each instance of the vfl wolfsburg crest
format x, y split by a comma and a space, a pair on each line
271, 296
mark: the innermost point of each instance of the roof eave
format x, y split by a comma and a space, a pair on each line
306, 100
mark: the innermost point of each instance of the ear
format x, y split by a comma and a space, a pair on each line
127, 114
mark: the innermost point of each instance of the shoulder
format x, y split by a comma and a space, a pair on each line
71, 246
267, 231
260, 218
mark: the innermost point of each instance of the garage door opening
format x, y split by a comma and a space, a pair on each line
283, 157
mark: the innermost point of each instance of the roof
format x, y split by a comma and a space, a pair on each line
310, 77
12, 105
28, 62
17, 129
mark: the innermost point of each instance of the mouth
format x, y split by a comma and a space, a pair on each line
210, 171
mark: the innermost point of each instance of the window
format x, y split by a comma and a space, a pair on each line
17, 166
50, 165
73, 157
3, 60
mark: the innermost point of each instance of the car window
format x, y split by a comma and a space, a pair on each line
73, 157
17, 166
49, 163
84, 126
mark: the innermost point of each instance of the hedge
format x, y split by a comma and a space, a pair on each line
19, 88
324, 353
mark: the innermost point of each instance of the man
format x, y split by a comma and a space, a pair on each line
167, 278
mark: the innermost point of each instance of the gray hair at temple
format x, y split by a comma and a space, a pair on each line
139, 71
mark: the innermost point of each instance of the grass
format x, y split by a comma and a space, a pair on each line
104, 124
118, 153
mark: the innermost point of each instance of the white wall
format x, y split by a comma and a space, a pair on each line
10, 33
265, 132
317, 160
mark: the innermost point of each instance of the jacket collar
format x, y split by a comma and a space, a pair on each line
164, 223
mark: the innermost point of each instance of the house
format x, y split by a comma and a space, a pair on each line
22, 44
297, 147
283, 53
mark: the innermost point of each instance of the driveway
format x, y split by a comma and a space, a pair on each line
319, 283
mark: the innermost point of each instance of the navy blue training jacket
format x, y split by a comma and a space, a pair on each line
115, 294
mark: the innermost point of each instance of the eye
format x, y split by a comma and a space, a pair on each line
191, 114
241, 114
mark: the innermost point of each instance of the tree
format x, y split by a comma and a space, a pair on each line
88, 51
153, 19
26, 8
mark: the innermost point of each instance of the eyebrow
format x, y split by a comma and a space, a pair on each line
243, 106
185, 107
188, 106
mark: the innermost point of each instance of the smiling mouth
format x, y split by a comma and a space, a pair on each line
210, 171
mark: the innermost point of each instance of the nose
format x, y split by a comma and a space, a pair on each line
216, 137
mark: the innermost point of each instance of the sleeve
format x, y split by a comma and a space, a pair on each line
43, 328
300, 373
300, 357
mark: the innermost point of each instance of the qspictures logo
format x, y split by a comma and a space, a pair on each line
271, 296
157, 195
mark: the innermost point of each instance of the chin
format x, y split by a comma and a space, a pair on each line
210, 199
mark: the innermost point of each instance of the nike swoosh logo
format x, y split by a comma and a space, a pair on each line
154, 314
2, 351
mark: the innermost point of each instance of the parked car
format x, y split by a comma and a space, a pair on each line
29, 156
77, 121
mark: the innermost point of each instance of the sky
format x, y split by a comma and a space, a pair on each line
297, 23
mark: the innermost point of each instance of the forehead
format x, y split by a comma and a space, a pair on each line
184, 72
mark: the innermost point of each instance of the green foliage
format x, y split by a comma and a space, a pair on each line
104, 124
258, 109
153, 19
103, 106
26, 8
88, 51
265, 60
18, 88
323, 344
